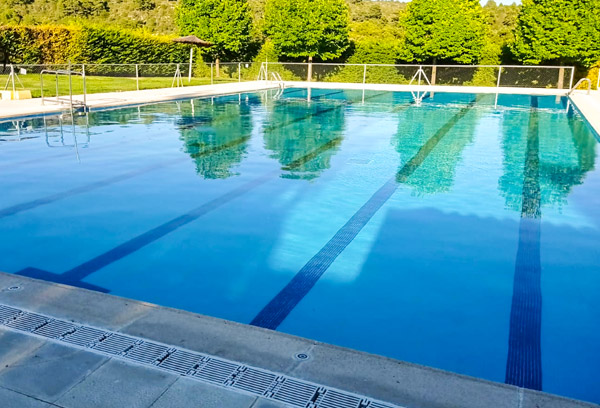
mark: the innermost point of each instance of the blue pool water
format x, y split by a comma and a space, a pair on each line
454, 234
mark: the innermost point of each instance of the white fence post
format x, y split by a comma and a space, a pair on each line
137, 77
365, 75
499, 76
239, 72
572, 77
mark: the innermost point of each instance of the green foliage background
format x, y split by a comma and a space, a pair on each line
50, 44
552, 32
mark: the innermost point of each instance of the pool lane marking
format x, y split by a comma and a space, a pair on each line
524, 361
75, 275
12, 210
59, 155
275, 312
15, 209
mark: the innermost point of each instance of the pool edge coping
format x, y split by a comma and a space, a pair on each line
406, 384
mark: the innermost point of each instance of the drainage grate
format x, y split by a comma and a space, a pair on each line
27, 322
181, 362
55, 329
252, 380
334, 399
7, 313
376, 404
296, 393
217, 371
85, 336
115, 344
147, 353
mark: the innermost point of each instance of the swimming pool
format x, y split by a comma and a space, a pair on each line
454, 234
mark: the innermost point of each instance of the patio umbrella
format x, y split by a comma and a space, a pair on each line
193, 40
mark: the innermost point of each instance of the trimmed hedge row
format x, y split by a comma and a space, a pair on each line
54, 44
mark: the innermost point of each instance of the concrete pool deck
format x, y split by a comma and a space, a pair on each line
29, 107
36, 371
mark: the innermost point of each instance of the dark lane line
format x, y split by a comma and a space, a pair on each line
275, 312
524, 362
75, 275
112, 180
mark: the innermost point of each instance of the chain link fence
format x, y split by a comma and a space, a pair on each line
550, 77
101, 78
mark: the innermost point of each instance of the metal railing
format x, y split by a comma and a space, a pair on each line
69, 73
581, 81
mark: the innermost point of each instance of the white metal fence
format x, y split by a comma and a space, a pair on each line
131, 77
552, 77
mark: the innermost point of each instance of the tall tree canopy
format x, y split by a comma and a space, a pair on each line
444, 29
225, 23
308, 28
562, 31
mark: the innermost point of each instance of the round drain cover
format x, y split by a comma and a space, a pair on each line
301, 356
13, 288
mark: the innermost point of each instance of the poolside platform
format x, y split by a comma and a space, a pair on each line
40, 367
30, 107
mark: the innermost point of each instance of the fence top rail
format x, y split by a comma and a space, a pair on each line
306, 63
61, 72
124, 65
428, 65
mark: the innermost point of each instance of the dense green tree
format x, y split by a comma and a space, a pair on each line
450, 30
83, 8
308, 28
225, 23
558, 31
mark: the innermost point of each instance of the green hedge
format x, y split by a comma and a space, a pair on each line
52, 44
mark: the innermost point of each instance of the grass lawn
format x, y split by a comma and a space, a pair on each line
99, 84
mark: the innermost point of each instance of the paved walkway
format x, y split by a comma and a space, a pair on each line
589, 106
37, 372
28, 107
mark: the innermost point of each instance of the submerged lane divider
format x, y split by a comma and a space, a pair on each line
15, 209
275, 312
75, 276
205, 368
524, 363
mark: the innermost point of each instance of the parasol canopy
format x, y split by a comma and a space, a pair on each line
192, 39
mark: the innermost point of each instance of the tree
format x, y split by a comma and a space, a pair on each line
308, 28
452, 30
558, 31
225, 23
83, 8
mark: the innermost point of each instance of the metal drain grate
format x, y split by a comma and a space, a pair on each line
27, 322
181, 362
217, 371
297, 393
84, 336
254, 381
334, 399
55, 329
213, 370
147, 353
376, 404
7, 313
115, 344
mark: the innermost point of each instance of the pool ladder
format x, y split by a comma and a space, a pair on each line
582, 80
